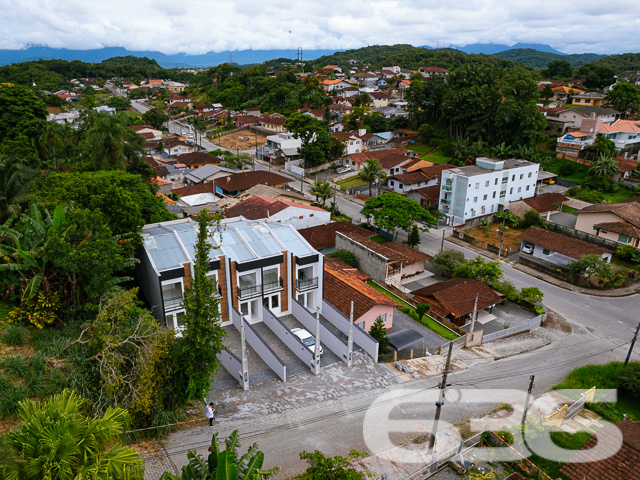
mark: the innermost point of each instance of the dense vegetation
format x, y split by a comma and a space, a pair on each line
536, 59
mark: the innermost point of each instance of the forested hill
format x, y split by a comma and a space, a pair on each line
536, 59
406, 56
621, 64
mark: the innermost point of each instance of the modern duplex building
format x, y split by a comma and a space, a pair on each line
255, 263
477, 190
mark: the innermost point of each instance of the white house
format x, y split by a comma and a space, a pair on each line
477, 190
624, 133
287, 212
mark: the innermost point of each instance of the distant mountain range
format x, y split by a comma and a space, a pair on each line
181, 60
493, 48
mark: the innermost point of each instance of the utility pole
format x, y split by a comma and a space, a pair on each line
501, 236
633, 342
442, 242
526, 403
475, 313
440, 402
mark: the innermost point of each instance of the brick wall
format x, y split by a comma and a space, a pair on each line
234, 286
284, 295
222, 281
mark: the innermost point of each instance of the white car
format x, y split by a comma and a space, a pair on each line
308, 339
528, 249
344, 169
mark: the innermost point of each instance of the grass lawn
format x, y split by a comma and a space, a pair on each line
572, 171
419, 148
437, 157
563, 440
378, 239
430, 323
351, 182
132, 113
622, 194
388, 294
608, 377
568, 209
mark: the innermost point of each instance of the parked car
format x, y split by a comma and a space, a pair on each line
344, 169
528, 249
308, 339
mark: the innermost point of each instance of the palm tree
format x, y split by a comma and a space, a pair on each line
51, 137
57, 441
372, 171
603, 167
502, 151
15, 180
225, 464
110, 144
321, 189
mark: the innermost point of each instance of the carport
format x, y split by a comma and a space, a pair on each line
404, 339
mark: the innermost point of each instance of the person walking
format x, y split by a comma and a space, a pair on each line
209, 413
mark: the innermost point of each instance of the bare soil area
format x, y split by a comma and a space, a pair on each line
243, 140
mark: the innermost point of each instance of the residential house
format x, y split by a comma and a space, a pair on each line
283, 145
291, 213
429, 72
619, 222
562, 94
201, 200
623, 462
239, 182
426, 196
391, 159
266, 191
624, 133
344, 285
184, 104
544, 204
65, 118
455, 299
572, 143
323, 237
206, 173
174, 87
395, 69
255, 263
391, 262
174, 147
330, 85
365, 79
391, 112
317, 113
573, 117
376, 141
163, 186
334, 68
352, 142
198, 188
557, 249
273, 122
245, 120
142, 129
405, 182
625, 166
381, 99
591, 99
477, 190
195, 160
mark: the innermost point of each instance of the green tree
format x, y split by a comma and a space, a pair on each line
601, 146
603, 167
413, 240
487, 271
321, 189
52, 137
202, 336
546, 93
155, 117
559, 69
447, 259
110, 144
372, 171
332, 468
379, 331
346, 256
532, 294
532, 219
391, 211
625, 98
23, 115
596, 76
226, 464
239, 161
422, 309
593, 265
314, 138
628, 253
56, 440
15, 184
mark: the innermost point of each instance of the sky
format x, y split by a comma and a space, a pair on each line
200, 26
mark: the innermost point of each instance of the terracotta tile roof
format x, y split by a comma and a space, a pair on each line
410, 178
626, 164
198, 158
316, 112
515, 476
629, 126
435, 170
147, 135
392, 251
137, 128
624, 228
569, 246
431, 193
179, 104
256, 207
246, 119
246, 180
565, 89
388, 158
381, 95
149, 160
160, 181
174, 142
624, 464
434, 70
161, 170
457, 296
344, 284
166, 200
545, 202
324, 236
205, 187
629, 211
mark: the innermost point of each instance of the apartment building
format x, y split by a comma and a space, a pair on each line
477, 190
255, 263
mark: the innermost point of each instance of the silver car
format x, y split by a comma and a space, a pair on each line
308, 339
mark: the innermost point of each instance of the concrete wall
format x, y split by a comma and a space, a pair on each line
360, 336
371, 263
553, 257
150, 283
587, 237
233, 365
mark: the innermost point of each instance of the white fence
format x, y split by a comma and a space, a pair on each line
530, 325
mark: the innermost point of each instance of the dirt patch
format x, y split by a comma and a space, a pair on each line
490, 235
555, 321
243, 140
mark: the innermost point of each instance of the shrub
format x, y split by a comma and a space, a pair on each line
16, 365
10, 397
629, 253
532, 219
38, 311
346, 256
14, 335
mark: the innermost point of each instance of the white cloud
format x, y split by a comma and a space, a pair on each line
198, 26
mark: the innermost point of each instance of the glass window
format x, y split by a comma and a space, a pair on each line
244, 308
496, 182
486, 184
494, 195
179, 318
624, 238
172, 291
545, 251
510, 190
530, 174
475, 199
521, 176
275, 301
527, 188
484, 197
477, 185
270, 276
247, 281
513, 178
519, 189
